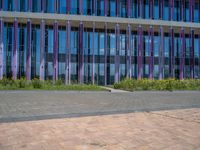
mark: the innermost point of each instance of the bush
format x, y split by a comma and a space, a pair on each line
21, 83
166, 84
36, 83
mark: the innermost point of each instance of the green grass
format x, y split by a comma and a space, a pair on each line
160, 85
36, 84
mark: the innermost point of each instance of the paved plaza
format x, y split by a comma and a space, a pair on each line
99, 120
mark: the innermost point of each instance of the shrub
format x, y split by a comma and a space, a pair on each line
36, 83
21, 83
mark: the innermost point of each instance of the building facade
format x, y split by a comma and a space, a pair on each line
99, 41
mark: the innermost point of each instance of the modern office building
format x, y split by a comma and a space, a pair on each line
99, 41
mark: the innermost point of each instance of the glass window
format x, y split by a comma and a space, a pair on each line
187, 12
112, 8
74, 6
74, 42
23, 5
50, 6
156, 46
196, 13
134, 9
156, 10
166, 10
87, 7
101, 43
62, 6
122, 7
100, 8
8, 5
146, 9
36, 5
112, 44
177, 10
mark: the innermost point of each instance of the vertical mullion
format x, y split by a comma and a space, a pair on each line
55, 51
28, 55
42, 49
1, 48
191, 53
68, 53
105, 53
182, 54
14, 55
117, 34
93, 55
151, 60
161, 53
128, 51
171, 53
139, 54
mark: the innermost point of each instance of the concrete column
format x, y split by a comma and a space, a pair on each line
191, 8
128, 52
191, 53
80, 54
105, 53
161, 53
171, 53
55, 51
93, 55
151, 58
1, 48
42, 49
68, 53
68, 2
139, 53
182, 54
117, 61
128, 8
28, 54
14, 55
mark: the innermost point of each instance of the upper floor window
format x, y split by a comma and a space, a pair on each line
8, 5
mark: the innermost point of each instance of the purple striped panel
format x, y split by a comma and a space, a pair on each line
199, 10
117, 34
105, 53
151, 12
80, 7
43, 4
161, 53
68, 53
42, 49
1, 48
105, 7
30, 5
128, 52
128, 8
55, 51
199, 54
117, 8
68, 2
93, 7
191, 53
28, 54
93, 55
161, 7
14, 59
191, 8
15, 5
171, 53
81, 54
182, 54
139, 54
151, 58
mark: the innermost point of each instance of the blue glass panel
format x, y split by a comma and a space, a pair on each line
100, 8
112, 8
62, 6
36, 5
8, 5
156, 9
166, 10
74, 6
87, 7
101, 43
23, 5
50, 6
122, 7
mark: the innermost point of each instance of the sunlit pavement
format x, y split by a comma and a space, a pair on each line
104, 121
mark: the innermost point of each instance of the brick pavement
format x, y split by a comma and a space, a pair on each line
168, 130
